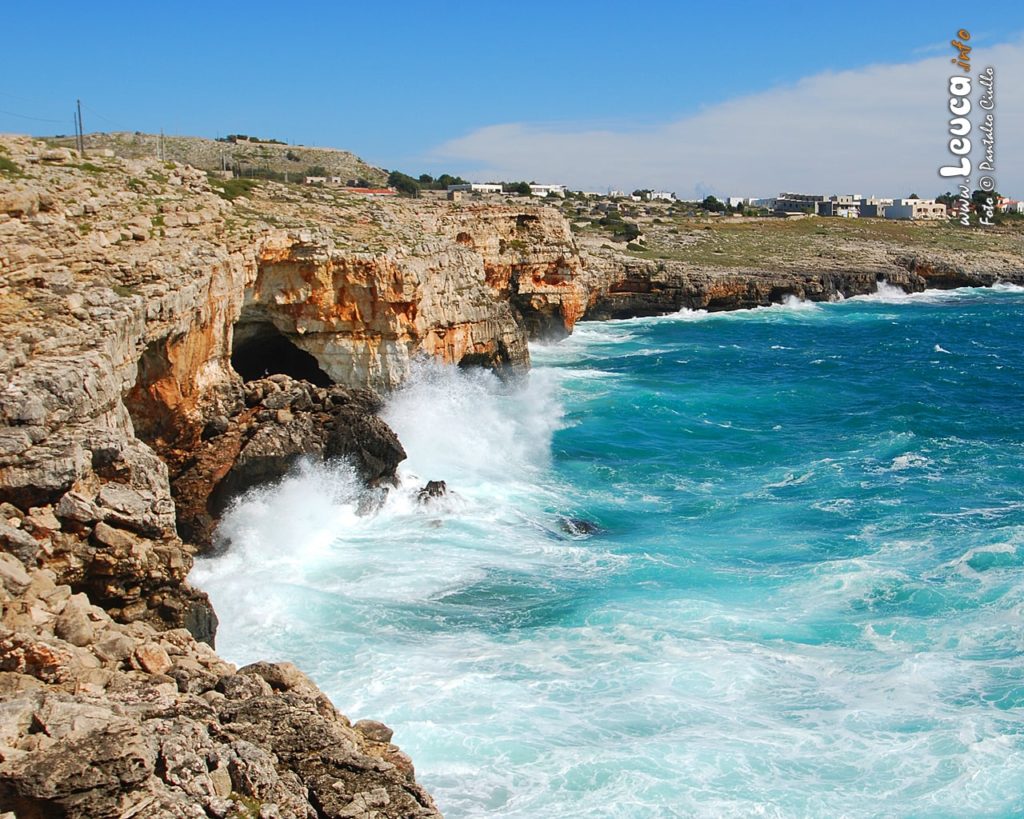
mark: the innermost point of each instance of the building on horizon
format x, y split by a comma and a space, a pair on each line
547, 190
797, 203
915, 209
476, 187
874, 207
1007, 205
842, 205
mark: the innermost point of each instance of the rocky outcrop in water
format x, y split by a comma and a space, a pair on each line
262, 438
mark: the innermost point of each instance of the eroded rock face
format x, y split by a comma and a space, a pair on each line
472, 290
622, 287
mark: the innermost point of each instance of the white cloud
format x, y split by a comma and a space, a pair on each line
882, 130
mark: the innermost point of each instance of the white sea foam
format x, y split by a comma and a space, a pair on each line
910, 460
885, 293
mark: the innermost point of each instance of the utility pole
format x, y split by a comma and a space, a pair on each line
81, 130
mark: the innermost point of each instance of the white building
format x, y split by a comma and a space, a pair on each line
477, 187
665, 196
915, 209
1007, 205
545, 190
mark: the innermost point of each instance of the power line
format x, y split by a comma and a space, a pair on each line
96, 113
25, 116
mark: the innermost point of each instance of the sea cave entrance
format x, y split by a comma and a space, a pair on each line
259, 349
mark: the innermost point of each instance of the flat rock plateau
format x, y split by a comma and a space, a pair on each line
172, 339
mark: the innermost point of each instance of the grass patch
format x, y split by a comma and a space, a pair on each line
9, 168
89, 167
788, 244
232, 188
245, 807
123, 291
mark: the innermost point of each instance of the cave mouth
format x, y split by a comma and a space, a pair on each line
259, 349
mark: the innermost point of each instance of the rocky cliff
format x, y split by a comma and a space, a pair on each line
168, 344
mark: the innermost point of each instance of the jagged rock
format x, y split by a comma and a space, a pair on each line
153, 659
12, 574
373, 730
580, 526
19, 543
73, 623
433, 489
368, 442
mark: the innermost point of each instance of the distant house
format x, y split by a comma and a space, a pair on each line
846, 205
315, 180
664, 196
873, 207
545, 190
1007, 205
477, 187
915, 209
797, 203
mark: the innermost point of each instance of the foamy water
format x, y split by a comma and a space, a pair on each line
804, 595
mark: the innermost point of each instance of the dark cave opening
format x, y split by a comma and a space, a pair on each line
259, 349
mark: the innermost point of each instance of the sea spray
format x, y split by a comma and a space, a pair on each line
802, 596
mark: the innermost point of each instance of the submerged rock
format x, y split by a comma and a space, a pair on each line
579, 527
433, 489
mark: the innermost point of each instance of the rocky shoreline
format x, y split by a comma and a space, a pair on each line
167, 348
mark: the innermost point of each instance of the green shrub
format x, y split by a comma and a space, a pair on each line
232, 188
8, 168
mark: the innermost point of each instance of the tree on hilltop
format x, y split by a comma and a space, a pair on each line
403, 183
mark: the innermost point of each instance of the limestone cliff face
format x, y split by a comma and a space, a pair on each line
478, 284
366, 317
623, 287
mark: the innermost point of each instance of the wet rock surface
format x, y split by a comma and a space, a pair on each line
279, 422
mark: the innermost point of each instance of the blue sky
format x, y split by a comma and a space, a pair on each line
401, 83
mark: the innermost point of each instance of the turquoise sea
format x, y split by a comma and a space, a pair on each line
762, 563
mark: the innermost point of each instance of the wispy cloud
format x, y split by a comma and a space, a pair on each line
880, 129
